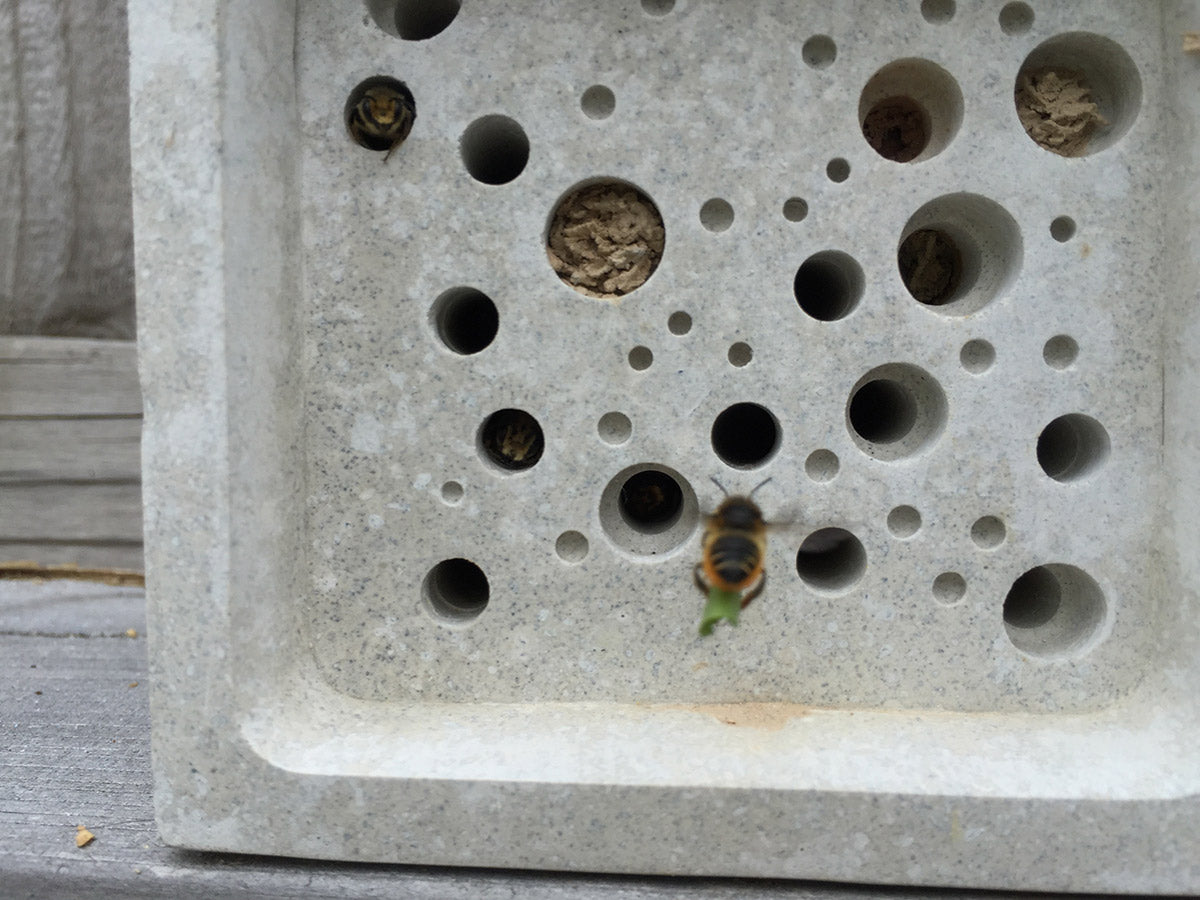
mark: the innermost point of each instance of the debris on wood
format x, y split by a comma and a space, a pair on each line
130, 632
83, 837
1191, 42
28, 569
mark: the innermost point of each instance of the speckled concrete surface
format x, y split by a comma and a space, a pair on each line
317, 443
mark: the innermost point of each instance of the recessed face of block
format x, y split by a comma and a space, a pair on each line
511, 439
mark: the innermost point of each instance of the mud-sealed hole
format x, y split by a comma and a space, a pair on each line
455, 591
511, 439
745, 435
930, 266
605, 239
1054, 611
831, 560
648, 509
910, 110
1077, 93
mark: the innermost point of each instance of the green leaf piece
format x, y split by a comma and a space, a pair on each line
721, 605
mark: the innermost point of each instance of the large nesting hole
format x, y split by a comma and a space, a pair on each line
605, 238
455, 591
1077, 93
831, 560
494, 149
745, 435
1054, 611
379, 113
511, 439
959, 252
895, 411
910, 110
828, 285
465, 319
1072, 447
648, 509
414, 20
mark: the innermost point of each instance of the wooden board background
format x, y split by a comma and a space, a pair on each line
70, 465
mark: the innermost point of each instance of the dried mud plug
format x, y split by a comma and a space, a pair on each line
380, 113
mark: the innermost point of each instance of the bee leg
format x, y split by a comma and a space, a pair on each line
696, 576
758, 589
391, 150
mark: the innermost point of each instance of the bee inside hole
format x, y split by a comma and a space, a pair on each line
379, 114
650, 501
512, 439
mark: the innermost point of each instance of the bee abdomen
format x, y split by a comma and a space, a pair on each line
734, 558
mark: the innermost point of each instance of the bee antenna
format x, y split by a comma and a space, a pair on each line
760, 484
721, 486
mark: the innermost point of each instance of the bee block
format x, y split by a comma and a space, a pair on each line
433, 423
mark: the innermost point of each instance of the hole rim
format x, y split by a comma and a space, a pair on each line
919, 412
1055, 611
639, 543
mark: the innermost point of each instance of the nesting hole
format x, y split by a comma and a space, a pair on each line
1060, 351
795, 209
1072, 447
571, 546
938, 12
1054, 611
910, 110
511, 439
455, 591
1077, 93
465, 319
658, 8
895, 411
452, 493
614, 428
838, 170
988, 532
904, 521
977, 356
822, 465
740, 354
831, 560
605, 238
415, 20
641, 358
1062, 229
598, 102
828, 285
716, 214
819, 51
379, 113
959, 252
648, 509
679, 323
949, 588
1016, 18
745, 435
494, 149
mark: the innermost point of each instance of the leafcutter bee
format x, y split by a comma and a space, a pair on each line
380, 113
734, 548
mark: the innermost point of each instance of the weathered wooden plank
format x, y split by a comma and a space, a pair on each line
75, 512
70, 449
86, 609
96, 555
68, 377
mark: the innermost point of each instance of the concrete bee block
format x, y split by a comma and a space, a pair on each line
424, 499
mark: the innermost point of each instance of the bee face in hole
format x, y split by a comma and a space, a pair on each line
380, 113
512, 439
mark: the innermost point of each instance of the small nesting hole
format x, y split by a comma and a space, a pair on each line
512, 439
988, 532
828, 285
949, 588
740, 354
977, 356
465, 319
904, 521
938, 12
614, 428
571, 546
641, 358
1062, 229
1016, 18
822, 465
1060, 351
795, 209
1072, 447
838, 170
716, 214
494, 149
419, 20
831, 559
745, 435
452, 493
658, 8
598, 102
455, 590
679, 323
819, 51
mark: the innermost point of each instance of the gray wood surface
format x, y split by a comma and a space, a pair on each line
70, 464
